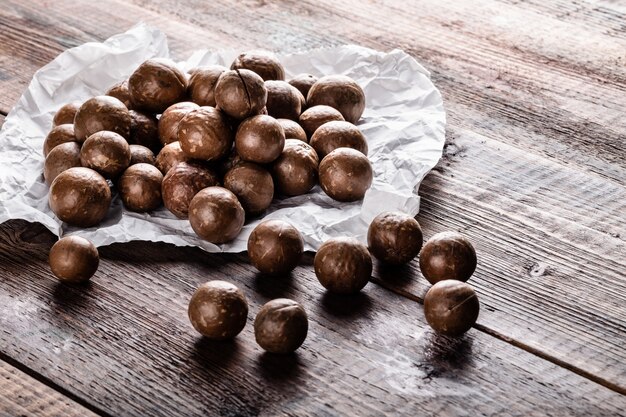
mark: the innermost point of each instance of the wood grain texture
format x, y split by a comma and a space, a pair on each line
124, 344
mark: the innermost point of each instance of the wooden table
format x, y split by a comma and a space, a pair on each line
533, 173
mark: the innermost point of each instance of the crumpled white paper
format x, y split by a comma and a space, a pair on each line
404, 123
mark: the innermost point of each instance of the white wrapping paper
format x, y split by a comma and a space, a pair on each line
404, 123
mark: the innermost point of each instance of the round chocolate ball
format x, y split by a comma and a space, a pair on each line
106, 152
295, 170
202, 83
216, 215
451, 307
204, 133
73, 259
345, 174
275, 247
240, 93
140, 187
65, 114
182, 182
303, 82
394, 238
343, 265
101, 113
260, 139
337, 134
292, 130
253, 186
170, 119
157, 84
80, 197
144, 130
218, 310
281, 326
58, 135
284, 101
61, 158
170, 156
261, 62
141, 155
339, 92
447, 255
120, 92
315, 116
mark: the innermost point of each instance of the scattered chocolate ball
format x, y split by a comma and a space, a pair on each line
343, 265
204, 133
315, 116
170, 119
157, 84
141, 155
80, 197
253, 186
73, 259
394, 238
182, 182
140, 187
284, 101
303, 82
260, 139
216, 215
337, 134
120, 92
451, 307
61, 158
281, 326
170, 156
144, 130
275, 247
261, 62
339, 92
58, 135
218, 310
447, 255
292, 130
295, 170
66, 114
240, 93
106, 152
101, 113
202, 83
345, 174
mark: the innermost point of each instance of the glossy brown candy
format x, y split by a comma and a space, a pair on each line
61, 158
394, 238
345, 174
106, 152
182, 182
120, 92
343, 265
201, 89
293, 130
59, 134
451, 307
218, 310
447, 255
73, 259
339, 92
170, 119
65, 114
240, 93
140, 187
141, 155
295, 170
337, 134
204, 134
80, 197
216, 215
284, 101
315, 116
281, 326
101, 113
157, 84
170, 156
261, 62
303, 82
253, 186
260, 139
144, 130
275, 247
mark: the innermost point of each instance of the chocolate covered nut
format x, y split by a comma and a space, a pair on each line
260, 139
59, 134
394, 238
295, 170
157, 84
451, 307
73, 259
303, 82
345, 174
240, 93
141, 155
337, 134
293, 130
275, 247
101, 113
65, 114
144, 130
261, 62
343, 265
120, 92
216, 215
169, 157
170, 119
80, 197
106, 152
61, 158
339, 92
182, 182
140, 187
205, 134
315, 116
253, 186
284, 101
218, 310
447, 255
201, 89
281, 326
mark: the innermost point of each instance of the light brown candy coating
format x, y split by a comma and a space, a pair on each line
451, 307
170, 156
343, 265
170, 119
260, 139
106, 152
61, 158
281, 326
120, 92
340, 92
293, 130
201, 89
140, 187
73, 259
141, 155
218, 310
315, 116
157, 84
252, 184
182, 182
394, 238
303, 82
240, 93
101, 113
295, 170
275, 247
59, 134
284, 101
144, 130
65, 114
204, 133
345, 174
216, 215
338, 134
264, 63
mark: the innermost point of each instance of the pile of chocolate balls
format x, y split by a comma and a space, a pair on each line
216, 146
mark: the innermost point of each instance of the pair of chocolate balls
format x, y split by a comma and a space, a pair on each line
219, 311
